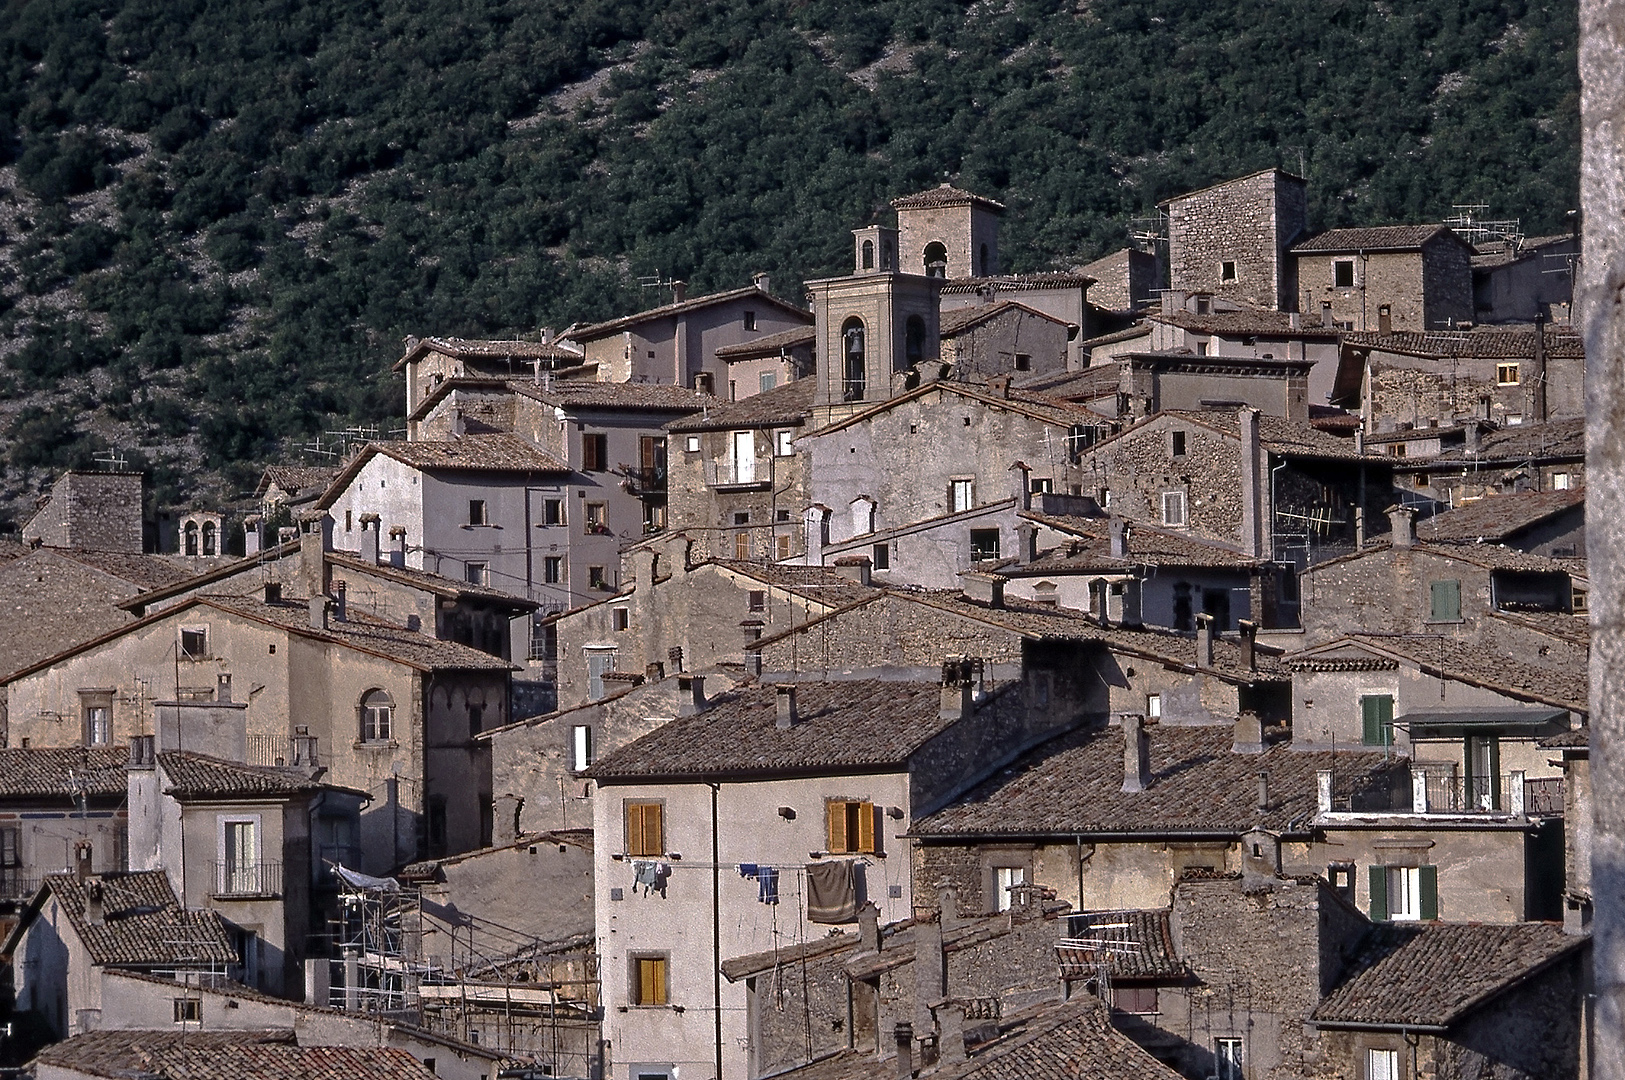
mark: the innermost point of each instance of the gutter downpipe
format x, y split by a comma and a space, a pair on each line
716, 928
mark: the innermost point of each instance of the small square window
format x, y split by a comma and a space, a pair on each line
1445, 599
1173, 508
552, 511
766, 381
597, 518
188, 1010
750, 320
649, 981
553, 569
1179, 444
1227, 271
1343, 273
692, 444
619, 618
1153, 706
1024, 362
781, 547
882, 557
594, 453
597, 578
782, 441
1506, 374
195, 644
1382, 1065
742, 518
476, 512
645, 828
477, 573
984, 545
1560, 481
758, 600
781, 515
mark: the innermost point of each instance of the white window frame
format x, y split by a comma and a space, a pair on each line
581, 756
1511, 368
1153, 706
1171, 500
1404, 893
1381, 1064
1003, 878
1560, 481
962, 492
223, 824
783, 443
1229, 1058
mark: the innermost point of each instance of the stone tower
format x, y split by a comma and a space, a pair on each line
1231, 239
948, 233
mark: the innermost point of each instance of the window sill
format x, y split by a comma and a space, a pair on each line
1444, 622
486, 525
375, 744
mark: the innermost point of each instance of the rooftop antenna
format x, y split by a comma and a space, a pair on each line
1148, 232
1468, 221
112, 460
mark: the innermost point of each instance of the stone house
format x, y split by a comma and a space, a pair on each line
430, 362
99, 511
1507, 375
1182, 325
877, 336
1003, 338
1232, 239
1455, 1002
1125, 280
1152, 382
1523, 282
716, 808
57, 807
1575, 747
1062, 295
285, 489
676, 343
757, 366
78, 925
1388, 278
1525, 457
944, 232
1546, 523
218, 1055
392, 710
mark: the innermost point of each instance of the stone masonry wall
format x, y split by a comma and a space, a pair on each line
1247, 221
100, 511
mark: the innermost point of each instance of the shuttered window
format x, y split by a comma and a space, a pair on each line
1404, 893
1446, 601
650, 984
645, 828
852, 827
1377, 716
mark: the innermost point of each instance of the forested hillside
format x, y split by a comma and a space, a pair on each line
218, 218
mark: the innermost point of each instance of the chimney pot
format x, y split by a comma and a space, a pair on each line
318, 613
94, 914
958, 689
1204, 640
1249, 643
273, 592
369, 539
1136, 753
1402, 526
903, 1033
1264, 790
762, 281
854, 568
785, 697
1021, 484
83, 858
251, 534
690, 695
947, 906
1117, 531
679, 291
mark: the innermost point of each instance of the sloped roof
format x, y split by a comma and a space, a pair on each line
1487, 342
200, 776
296, 478
470, 349
1053, 410
1555, 440
497, 452
944, 194
769, 344
143, 924
29, 772
142, 571
225, 1055
1497, 517
1073, 785
1373, 238
1282, 173
957, 321
1559, 678
1039, 282
590, 394
439, 584
1142, 944
817, 583
786, 405
1250, 322
593, 331
1089, 384
1286, 438
1148, 546
1432, 975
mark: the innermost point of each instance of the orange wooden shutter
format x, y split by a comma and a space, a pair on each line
866, 826
654, 829
634, 828
837, 826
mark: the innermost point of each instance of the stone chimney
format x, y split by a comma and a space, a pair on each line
1204, 640
315, 541
999, 386
1136, 753
1021, 485
1249, 734
1474, 441
983, 588
679, 291
762, 281
854, 568
903, 1033
784, 695
340, 605
958, 689
84, 853
1253, 506
1536, 410
94, 913
222, 689
251, 534
1402, 526
273, 592
951, 1037
1385, 319
869, 927
1026, 542
1132, 613
1249, 643
370, 524
318, 613
397, 546
1264, 790
1323, 790
1117, 531
1047, 594
691, 695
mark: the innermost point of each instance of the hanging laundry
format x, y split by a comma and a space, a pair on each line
832, 892
650, 877
748, 869
767, 886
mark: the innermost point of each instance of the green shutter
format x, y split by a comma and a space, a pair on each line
1377, 718
1379, 894
1446, 601
1430, 891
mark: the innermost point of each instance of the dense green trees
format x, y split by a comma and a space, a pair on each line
229, 213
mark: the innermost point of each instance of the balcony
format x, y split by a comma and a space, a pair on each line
17, 884
245, 881
296, 751
740, 474
644, 481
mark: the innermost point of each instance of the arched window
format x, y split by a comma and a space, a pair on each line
208, 538
936, 260
886, 254
913, 343
191, 538
377, 716
984, 260
868, 254
856, 374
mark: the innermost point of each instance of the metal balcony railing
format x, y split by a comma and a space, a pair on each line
1543, 796
238, 879
296, 751
1445, 793
644, 481
17, 884
750, 472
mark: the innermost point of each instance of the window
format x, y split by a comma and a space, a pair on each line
851, 827
1227, 271
962, 495
742, 545
1079, 438
1382, 1065
1560, 481
1377, 719
645, 828
581, 747
1343, 273
868, 254
1398, 449
477, 573
1006, 878
881, 560
195, 643
913, 343
649, 980
1404, 893
1340, 876
553, 512
1446, 601
377, 716
984, 262
1179, 443
1506, 374
782, 443
594, 453
476, 512
1204, 305
1201, 348
692, 444
96, 712
599, 662
781, 547
936, 260
553, 569
597, 578
1227, 1059
766, 381
191, 538
188, 1010
750, 320
1024, 361
1135, 999
10, 849
984, 545
855, 371
619, 618
1153, 706
239, 857
733, 390
597, 518
1173, 508
758, 600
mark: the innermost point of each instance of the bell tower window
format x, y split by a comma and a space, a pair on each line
868, 254
856, 374
936, 260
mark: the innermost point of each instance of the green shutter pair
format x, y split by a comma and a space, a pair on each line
1429, 888
1446, 601
1377, 718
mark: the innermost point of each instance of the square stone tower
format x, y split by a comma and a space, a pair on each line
1231, 239
948, 233
874, 330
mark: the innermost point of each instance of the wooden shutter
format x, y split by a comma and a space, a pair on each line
1379, 894
654, 829
835, 811
1377, 719
876, 816
1446, 601
866, 826
651, 980
1429, 888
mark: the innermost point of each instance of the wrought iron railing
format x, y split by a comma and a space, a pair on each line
245, 879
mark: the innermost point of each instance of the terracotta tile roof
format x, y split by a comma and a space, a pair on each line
142, 571
1562, 625
469, 349
1148, 546
199, 776
1433, 975
1496, 517
1128, 333
1272, 170
1043, 407
1073, 785
296, 478
1039, 282
1141, 945
816, 583
863, 723
1246, 323
498, 452
589, 394
1556, 440
1287, 438
956, 321
27, 772
225, 1055
1485, 556
1086, 385
593, 331
769, 344
1572, 739
1489, 343
1374, 238
143, 923
1559, 678
438, 584
786, 405
944, 194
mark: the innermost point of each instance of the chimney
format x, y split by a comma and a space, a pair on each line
983, 588
318, 613
1021, 485
958, 689
397, 546
904, 1034
1026, 542
690, 695
1323, 790
1294, 320
273, 592
222, 689
251, 534
94, 914
869, 927
340, 608
1326, 313
1204, 640
999, 386
854, 568
83, 856
1249, 734
679, 291
784, 695
1537, 380
1264, 790
1249, 642
947, 906
1100, 601
951, 1040
1046, 594
315, 541
1252, 484
1131, 613
1117, 530
1385, 319
370, 525
1474, 437
1136, 753
1402, 526
762, 281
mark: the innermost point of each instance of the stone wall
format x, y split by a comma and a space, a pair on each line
1124, 279
890, 630
96, 510
705, 501
998, 345
1138, 467
1249, 222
